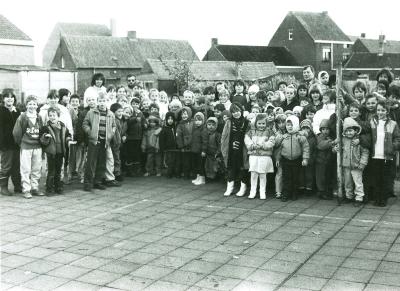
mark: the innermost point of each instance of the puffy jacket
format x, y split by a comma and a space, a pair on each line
294, 146
392, 138
91, 126
49, 144
135, 126
265, 139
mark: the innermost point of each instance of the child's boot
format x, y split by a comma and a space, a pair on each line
242, 190
201, 181
196, 180
4, 191
253, 187
229, 188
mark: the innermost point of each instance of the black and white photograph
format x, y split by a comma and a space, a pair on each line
199, 145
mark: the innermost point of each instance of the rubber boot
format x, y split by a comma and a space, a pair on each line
196, 180
242, 190
253, 183
263, 185
229, 188
200, 181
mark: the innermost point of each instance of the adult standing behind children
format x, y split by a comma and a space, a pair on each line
8, 148
97, 85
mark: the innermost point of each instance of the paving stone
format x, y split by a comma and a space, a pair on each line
374, 245
306, 282
233, 271
317, 270
280, 266
200, 266
78, 286
186, 253
17, 276
163, 285
91, 262
368, 254
119, 267
378, 287
291, 256
98, 277
390, 267
386, 279
63, 257
151, 272
335, 285
139, 257
15, 248
392, 257
170, 261
326, 260
359, 263
248, 261
15, 261
69, 272
45, 282
183, 277
267, 277
216, 257
39, 266
353, 275
335, 251
254, 286
213, 282
111, 253
130, 283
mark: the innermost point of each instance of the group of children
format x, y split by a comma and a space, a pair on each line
284, 140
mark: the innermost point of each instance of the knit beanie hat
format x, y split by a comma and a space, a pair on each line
306, 123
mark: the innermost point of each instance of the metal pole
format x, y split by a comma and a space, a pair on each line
338, 132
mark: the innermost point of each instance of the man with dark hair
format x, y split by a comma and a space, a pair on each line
130, 80
309, 76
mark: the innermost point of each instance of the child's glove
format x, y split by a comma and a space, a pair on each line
355, 142
335, 149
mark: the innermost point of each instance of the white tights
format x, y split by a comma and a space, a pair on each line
254, 182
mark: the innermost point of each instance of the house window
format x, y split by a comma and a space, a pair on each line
290, 34
346, 57
148, 85
326, 54
62, 62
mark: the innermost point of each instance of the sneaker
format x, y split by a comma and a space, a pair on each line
112, 183
146, 174
99, 186
49, 192
27, 195
36, 192
278, 195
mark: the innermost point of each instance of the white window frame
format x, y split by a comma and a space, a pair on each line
290, 33
62, 62
326, 54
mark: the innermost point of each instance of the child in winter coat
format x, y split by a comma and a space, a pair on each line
184, 141
136, 124
385, 141
198, 148
323, 173
260, 143
218, 109
213, 148
168, 144
119, 139
354, 160
294, 152
307, 172
280, 130
54, 138
26, 135
233, 149
9, 162
151, 146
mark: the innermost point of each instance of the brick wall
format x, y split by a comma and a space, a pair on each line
16, 55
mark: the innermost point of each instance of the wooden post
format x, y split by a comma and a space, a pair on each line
338, 133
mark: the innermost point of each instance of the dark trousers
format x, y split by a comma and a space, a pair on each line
10, 166
185, 163
171, 162
153, 163
290, 177
117, 161
381, 171
307, 177
131, 157
54, 165
198, 164
95, 163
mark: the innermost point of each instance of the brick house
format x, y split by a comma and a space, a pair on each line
312, 38
380, 45
16, 48
280, 56
91, 48
207, 73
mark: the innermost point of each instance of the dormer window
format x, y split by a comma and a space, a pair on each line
290, 33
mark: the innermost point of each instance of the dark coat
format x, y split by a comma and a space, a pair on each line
168, 139
7, 123
199, 139
135, 126
49, 144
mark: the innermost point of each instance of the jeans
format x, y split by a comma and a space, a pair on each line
109, 174
353, 183
10, 166
153, 163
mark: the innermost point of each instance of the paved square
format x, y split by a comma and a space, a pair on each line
166, 234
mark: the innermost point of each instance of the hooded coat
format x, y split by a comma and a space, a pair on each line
199, 135
150, 141
294, 145
184, 131
353, 156
168, 134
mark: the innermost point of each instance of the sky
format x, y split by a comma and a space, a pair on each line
248, 22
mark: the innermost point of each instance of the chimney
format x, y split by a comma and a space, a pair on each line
131, 35
363, 35
238, 67
381, 44
214, 41
113, 27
